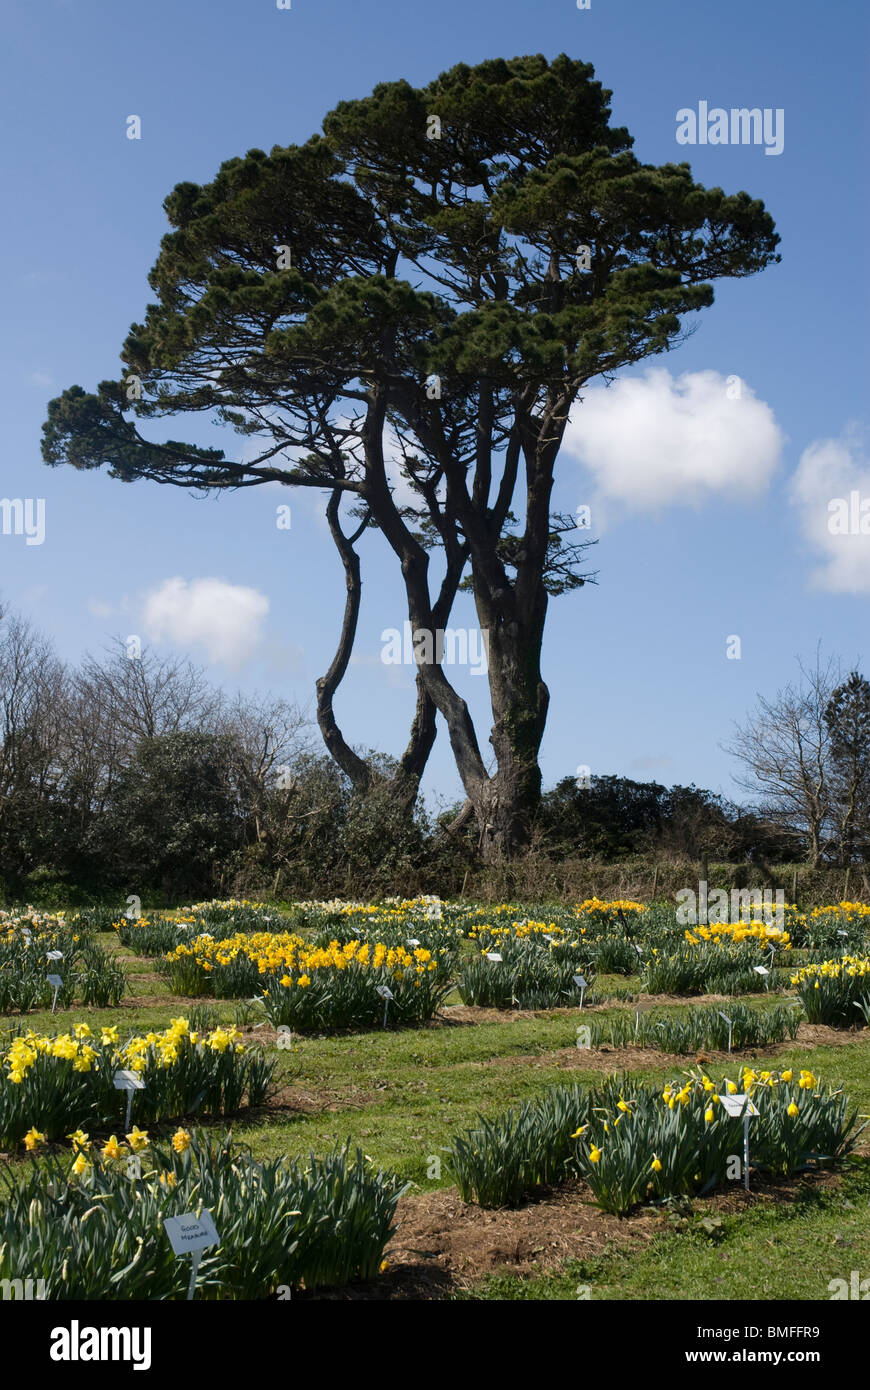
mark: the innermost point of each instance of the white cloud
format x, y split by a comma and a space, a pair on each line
831, 469
225, 619
40, 379
656, 440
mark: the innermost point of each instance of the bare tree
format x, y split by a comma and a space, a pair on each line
33, 685
149, 696
784, 747
269, 735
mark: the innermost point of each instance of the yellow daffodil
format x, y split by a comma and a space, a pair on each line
181, 1141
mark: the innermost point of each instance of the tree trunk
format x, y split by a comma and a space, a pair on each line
508, 801
422, 736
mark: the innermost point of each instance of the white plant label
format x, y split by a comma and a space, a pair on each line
734, 1105
128, 1081
190, 1232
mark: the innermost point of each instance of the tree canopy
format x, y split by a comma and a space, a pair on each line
433, 280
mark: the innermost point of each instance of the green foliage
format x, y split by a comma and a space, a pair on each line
88, 972
835, 992
634, 1143
173, 813
699, 1028
502, 1160
101, 1235
529, 975
71, 1086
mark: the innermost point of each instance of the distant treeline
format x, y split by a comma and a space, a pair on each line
131, 774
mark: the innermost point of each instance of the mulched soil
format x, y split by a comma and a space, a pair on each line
443, 1244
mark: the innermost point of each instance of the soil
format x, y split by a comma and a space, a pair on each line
444, 1245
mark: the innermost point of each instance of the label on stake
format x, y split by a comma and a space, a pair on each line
734, 1105
128, 1081
191, 1232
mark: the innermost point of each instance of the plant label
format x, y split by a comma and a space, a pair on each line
385, 992
190, 1232
494, 956
128, 1081
413, 942
55, 981
734, 1105
54, 955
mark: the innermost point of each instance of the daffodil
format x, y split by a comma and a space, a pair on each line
111, 1149
594, 1154
656, 1164
138, 1139
793, 1110
33, 1138
181, 1141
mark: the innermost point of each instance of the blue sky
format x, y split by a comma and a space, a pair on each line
707, 529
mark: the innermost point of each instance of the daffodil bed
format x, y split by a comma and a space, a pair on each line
634, 1143
49, 1084
836, 992
87, 972
699, 1028
93, 1229
313, 987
